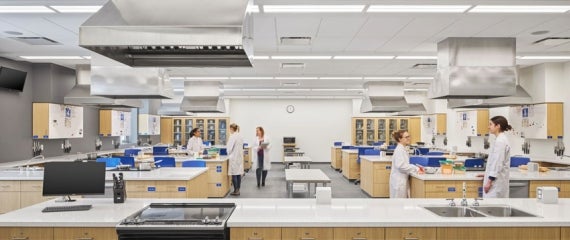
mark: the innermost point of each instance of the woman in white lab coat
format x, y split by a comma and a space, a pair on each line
260, 156
235, 152
401, 167
496, 177
195, 143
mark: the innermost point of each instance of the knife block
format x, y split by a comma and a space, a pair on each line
119, 194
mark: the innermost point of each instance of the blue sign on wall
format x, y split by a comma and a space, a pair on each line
182, 189
151, 189
451, 189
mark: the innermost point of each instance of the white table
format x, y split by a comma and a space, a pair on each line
307, 176
304, 161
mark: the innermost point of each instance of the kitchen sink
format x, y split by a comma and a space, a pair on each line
503, 211
454, 211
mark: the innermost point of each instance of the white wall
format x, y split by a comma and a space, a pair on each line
316, 123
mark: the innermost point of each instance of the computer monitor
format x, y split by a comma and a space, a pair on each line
74, 178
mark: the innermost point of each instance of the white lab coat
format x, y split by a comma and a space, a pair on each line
401, 168
235, 153
195, 144
498, 166
266, 158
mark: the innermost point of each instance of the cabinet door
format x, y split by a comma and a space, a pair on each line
222, 131
392, 127
358, 126
441, 124
84, 233
565, 233
26, 233
255, 233
358, 233
307, 233
188, 126
210, 134
10, 201
415, 129
166, 130
177, 132
411, 233
370, 131
382, 135
515, 233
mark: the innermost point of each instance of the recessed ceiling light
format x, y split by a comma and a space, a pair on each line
76, 9
415, 89
296, 78
293, 89
362, 57
251, 78
416, 57
312, 8
52, 57
340, 78
301, 57
25, 9
296, 41
519, 9
328, 89
419, 8
178, 90
292, 65
539, 32
207, 78
384, 78
545, 57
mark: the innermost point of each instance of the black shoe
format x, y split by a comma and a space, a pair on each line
258, 185
263, 184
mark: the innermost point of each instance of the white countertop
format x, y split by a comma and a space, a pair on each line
342, 212
63, 158
376, 158
515, 174
564, 161
164, 174
220, 159
350, 150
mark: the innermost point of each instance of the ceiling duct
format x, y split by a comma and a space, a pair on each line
171, 107
474, 68
520, 97
202, 97
122, 82
414, 109
383, 97
80, 94
172, 33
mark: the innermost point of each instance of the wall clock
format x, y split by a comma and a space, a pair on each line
290, 108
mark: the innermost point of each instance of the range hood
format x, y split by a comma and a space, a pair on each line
414, 109
81, 93
474, 68
122, 82
202, 97
171, 33
521, 97
384, 97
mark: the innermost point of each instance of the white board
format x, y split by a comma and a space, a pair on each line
65, 121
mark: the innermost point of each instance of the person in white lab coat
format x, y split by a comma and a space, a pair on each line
260, 156
496, 177
235, 153
401, 167
195, 143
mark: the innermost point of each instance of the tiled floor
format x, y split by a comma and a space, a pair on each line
275, 184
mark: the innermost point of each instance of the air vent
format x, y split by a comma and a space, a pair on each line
425, 66
296, 41
36, 40
553, 41
292, 65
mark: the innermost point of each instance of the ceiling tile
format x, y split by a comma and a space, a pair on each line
264, 26
366, 43
345, 27
323, 44
426, 27
512, 26
304, 26
383, 26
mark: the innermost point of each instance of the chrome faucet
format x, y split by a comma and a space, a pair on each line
464, 200
31, 159
451, 203
475, 202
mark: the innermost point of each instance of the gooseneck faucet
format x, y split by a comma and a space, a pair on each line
464, 200
31, 159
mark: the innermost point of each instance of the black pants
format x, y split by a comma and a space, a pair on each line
260, 174
236, 181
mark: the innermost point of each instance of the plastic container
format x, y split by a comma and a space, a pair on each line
446, 166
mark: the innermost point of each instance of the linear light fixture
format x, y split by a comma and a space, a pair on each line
415, 89
76, 9
86, 57
260, 57
52, 57
328, 89
363, 57
301, 57
416, 57
25, 9
312, 8
420, 78
258, 89
384, 78
296, 78
544, 57
293, 89
177, 78
340, 78
253, 9
419, 8
178, 90
520, 9
251, 78
207, 78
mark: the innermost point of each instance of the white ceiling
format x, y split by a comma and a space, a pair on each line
332, 34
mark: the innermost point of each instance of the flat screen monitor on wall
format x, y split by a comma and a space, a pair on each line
12, 79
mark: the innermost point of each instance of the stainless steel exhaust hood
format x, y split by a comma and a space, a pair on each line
521, 97
122, 82
414, 109
81, 93
475, 68
202, 97
171, 33
384, 97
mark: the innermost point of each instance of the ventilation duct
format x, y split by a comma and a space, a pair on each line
384, 97
521, 97
121, 82
202, 97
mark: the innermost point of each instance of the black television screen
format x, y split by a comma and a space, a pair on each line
12, 79
74, 178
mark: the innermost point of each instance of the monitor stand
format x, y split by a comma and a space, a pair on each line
65, 199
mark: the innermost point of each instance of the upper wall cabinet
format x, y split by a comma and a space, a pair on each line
473, 122
540, 121
114, 123
53, 121
149, 124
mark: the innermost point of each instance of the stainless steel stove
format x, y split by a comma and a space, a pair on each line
177, 221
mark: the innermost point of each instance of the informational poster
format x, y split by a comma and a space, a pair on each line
466, 123
149, 124
65, 121
120, 123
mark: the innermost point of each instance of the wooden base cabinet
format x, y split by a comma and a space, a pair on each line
565, 233
411, 234
84, 233
358, 233
27, 233
306, 233
195, 188
336, 158
563, 187
512, 233
375, 178
255, 233
443, 189
10, 196
218, 179
350, 168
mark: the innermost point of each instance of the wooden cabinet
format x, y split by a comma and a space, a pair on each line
565, 233
367, 131
306, 233
247, 158
114, 123
538, 121
194, 188
255, 233
411, 233
415, 130
149, 124
55, 121
336, 158
513, 233
26, 233
350, 168
176, 130
10, 195
375, 178
473, 123
358, 233
218, 179
165, 130
31, 193
443, 189
440, 123
84, 233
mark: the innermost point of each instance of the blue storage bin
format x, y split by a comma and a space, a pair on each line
347, 147
434, 153
166, 162
391, 147
426, 161
517, 161
127, 161
194, 163
160, 150
223, 151
109, 162
472, 162
423, 150
131, 152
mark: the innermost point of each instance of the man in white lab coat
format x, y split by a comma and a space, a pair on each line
496, 177
235, 153
401, 167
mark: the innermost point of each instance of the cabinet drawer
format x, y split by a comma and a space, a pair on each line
84, 233
443, 195
307, 233
565, 186
31, 198
31, 186
26, 233
10, 201
411, 233
442, 186
358, 233
141, 186
255, 233
381, 189
171, 186
382, 167
515, 233
9, 186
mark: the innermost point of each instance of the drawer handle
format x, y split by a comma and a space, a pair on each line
359, 238
307, 238
86, 238
20, 238
411, 238
254, 238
